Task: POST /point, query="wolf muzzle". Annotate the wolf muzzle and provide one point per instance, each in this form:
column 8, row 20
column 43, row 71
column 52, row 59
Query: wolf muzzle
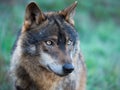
column 68, row 68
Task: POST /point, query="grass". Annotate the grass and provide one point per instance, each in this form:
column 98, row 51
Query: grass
column 102, row 58
column 98, row 25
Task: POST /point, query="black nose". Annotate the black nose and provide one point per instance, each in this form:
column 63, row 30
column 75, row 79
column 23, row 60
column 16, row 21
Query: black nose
column 68, row 68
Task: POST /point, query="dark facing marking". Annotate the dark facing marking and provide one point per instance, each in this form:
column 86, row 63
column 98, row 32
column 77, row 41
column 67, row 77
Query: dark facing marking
column 61, row 40
column 65, row 29
column 73, row 35
column 42, row 34
column 61, row 36
column 35, row 36
column 56, row 27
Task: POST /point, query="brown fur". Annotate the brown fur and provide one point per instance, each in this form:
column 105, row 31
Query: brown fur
column 26, row 70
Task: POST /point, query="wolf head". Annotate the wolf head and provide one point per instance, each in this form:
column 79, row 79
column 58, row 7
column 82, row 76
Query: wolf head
column 49, row 39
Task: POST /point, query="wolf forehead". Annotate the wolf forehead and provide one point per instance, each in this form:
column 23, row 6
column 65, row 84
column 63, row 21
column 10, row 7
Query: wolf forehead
column 55, row 25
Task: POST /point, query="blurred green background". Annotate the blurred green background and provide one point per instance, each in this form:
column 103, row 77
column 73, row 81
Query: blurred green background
column 98, row 24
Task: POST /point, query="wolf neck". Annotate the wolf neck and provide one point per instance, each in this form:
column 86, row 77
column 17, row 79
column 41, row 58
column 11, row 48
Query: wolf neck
column 46, row 80
column 43, row 79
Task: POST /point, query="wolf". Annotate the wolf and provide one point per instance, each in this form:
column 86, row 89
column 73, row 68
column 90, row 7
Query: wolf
column 47, row 53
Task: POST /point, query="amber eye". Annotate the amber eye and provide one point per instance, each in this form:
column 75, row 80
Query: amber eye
column 49, row 43
column 69, row 42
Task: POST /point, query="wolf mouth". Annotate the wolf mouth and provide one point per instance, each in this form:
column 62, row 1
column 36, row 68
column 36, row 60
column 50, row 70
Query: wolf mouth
column 61, row 75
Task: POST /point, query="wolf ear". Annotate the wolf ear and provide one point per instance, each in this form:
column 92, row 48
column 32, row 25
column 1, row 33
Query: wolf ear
column 69, row 12
column 33, row 16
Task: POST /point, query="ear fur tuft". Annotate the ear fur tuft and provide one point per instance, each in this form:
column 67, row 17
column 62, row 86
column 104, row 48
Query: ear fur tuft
column 69, row 12
column 33, row 15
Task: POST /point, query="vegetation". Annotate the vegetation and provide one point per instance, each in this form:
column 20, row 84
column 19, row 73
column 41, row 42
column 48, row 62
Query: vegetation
column 97, row 22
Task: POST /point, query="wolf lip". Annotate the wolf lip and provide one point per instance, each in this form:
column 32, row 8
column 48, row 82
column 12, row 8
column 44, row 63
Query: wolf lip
column 49, row 68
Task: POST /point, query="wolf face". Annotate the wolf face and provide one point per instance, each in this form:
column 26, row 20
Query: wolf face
column 49, row 39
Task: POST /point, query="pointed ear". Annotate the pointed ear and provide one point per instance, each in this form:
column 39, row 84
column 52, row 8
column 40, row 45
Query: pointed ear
column 68, row 13
column 33, row 16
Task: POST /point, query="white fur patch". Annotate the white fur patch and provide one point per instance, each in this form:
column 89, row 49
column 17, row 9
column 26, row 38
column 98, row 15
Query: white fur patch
column 15, row 61
column 49, row 62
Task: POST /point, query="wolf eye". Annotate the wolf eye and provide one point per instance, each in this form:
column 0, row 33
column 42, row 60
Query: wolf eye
column 49, row 42
column 69, row 42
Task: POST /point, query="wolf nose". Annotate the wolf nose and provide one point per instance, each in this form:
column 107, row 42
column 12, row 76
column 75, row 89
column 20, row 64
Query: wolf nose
column 68, row 68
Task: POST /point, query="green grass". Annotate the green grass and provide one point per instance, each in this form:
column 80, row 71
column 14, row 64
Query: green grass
column 102, row 56
column 97, row 22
